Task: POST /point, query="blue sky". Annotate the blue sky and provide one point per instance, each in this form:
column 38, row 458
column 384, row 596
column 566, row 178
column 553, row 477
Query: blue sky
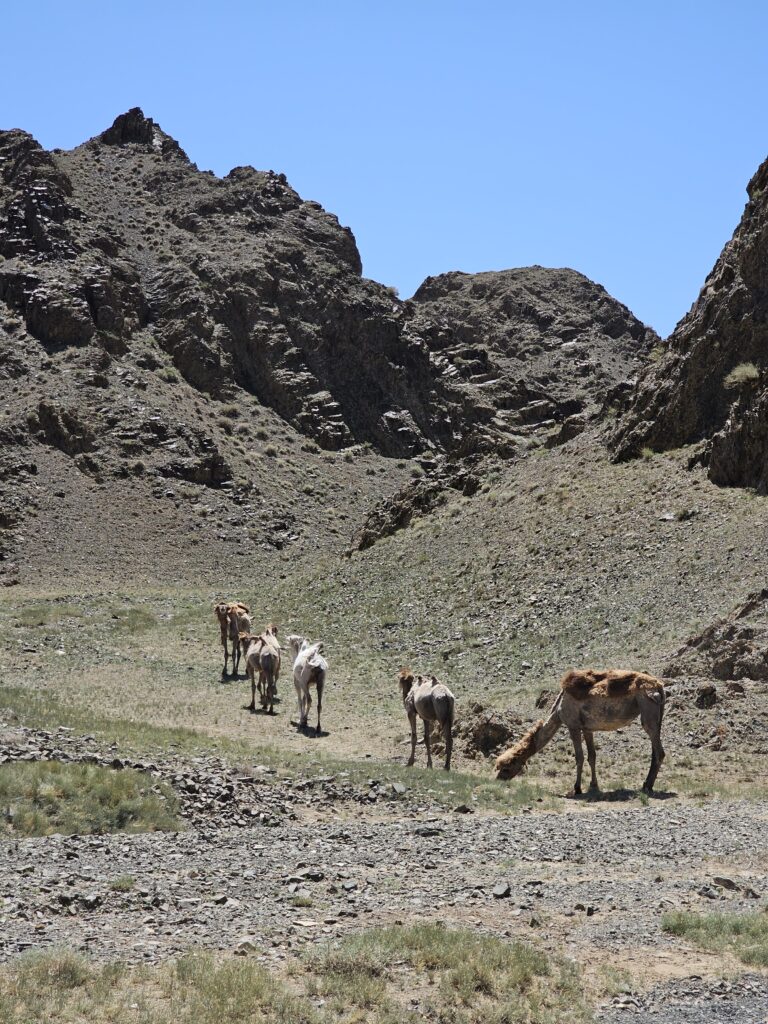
column 615, row 138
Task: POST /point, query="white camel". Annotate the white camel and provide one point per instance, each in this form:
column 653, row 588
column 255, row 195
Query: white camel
column 309, row 668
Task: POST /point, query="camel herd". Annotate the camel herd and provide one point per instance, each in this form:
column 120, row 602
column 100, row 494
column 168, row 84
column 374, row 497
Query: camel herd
column 589, row 701
column 262, row 653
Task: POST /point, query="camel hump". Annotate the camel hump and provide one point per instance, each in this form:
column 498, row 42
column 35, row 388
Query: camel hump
column 613, row 682
column 578, row 682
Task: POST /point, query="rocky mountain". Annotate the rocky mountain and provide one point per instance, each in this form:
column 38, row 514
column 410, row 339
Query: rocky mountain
column 159, row 323
column 709, row 381
column 543, row 344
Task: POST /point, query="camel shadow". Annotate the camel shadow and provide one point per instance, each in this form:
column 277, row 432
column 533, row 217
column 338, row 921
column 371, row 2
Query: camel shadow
column 230, row 677
column 597, row 796
column 309, row 731
column 259, row 711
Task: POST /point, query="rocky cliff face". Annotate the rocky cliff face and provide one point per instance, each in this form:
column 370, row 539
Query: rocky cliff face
column 709, row 383
column 543, row 344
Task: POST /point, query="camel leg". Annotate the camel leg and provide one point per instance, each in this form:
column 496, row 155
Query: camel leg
column 320, row 683
column 307, row 706
column 579, row 752
column 271, row 693
column 412, row 720
column 589, row 738
column 252, row 705
column 298, row 696
column 428, row 742
column 650, row 719
column 448, row 738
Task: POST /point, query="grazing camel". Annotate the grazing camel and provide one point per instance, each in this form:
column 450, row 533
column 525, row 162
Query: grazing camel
column 309, row 668
column 589, row 702
column 262, row 655
column 430, row 700
column 233, row 617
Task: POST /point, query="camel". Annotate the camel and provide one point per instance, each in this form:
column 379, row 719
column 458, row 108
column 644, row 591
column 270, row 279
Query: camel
column 432, row 701
column 234, row 618
column 590, row 701
column 309, row 668
column 262, row 655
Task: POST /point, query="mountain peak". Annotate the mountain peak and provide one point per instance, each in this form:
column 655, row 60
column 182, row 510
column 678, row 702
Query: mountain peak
column 134, row 127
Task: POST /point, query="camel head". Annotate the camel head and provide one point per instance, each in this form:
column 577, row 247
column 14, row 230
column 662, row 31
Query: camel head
column 406, row 679
column 222, row 610
column 271, row 629
column 295, row 643
column 512, row 761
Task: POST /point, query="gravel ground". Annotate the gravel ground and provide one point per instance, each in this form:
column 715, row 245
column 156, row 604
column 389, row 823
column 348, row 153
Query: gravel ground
column 269, row 875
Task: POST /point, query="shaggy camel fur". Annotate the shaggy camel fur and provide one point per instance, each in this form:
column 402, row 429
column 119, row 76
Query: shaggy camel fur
column 309, row 669
column 234, row 618
column 426, row 698
column 262, row 655
column 590, row 702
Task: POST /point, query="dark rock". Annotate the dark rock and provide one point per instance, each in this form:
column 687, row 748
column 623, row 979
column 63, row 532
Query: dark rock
column 706, row 696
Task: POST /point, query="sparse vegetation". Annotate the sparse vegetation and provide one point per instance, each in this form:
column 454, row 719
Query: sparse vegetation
column 40, row 798
column 743, row 935
column 470, row 978
column 64, row 987
column 743, row 375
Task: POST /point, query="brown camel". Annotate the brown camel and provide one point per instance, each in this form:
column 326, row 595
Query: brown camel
column 589, row 702
column 233, row 617
column 426, row 698
column 262, row 655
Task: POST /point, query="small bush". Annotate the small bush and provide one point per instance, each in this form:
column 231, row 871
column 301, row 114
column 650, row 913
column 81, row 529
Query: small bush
column 743, row 375
column 168, row 374
column 123, row 883
column 43, row 797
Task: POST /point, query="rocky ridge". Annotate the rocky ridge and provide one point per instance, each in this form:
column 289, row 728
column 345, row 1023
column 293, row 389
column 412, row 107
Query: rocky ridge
column 708, row 382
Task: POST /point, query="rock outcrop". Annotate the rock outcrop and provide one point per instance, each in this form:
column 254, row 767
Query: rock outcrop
column 709, row 382
column 734, row 647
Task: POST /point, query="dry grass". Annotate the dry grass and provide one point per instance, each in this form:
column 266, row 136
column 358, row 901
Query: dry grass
column 382, row 976
column 64, row 988
column 433, row 973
